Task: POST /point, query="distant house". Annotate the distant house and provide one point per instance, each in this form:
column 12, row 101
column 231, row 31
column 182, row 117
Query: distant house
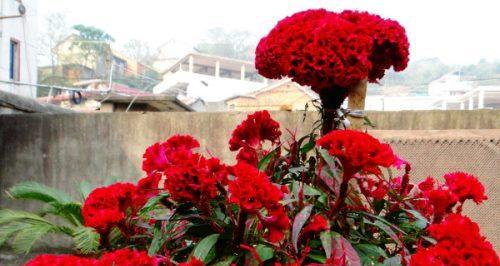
column 71, row 55
column 96, row 97
column 211, row 78
column 451, row 84
column 18, row 37
column 282, row 95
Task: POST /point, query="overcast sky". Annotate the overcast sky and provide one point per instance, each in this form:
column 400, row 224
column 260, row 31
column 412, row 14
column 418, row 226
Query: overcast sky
column 456, row 31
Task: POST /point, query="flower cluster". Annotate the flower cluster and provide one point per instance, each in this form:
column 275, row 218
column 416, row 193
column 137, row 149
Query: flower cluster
column 60, row 260
column 107, row 207
column 195, row 179
column 253, row 191
column 122, row 257
column 160, row 155
column 459, row 242
column 357, row 151
column 330, row 51
column 318, row 202
column 249, row 136
column 438, row 200
column 187, row 176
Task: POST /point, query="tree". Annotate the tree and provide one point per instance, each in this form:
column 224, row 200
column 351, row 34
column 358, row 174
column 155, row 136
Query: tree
column 140, row 51
column 94, row 44
column 233, row 44
column 56, row 30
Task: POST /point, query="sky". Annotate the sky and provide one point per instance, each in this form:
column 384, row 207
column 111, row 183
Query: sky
column 456, row 31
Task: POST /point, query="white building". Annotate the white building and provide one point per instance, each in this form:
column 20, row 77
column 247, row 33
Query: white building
column 18, row 49
column 210, row 78
column 450, row 92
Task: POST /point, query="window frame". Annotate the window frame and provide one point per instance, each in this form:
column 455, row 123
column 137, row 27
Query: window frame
column 15, row 59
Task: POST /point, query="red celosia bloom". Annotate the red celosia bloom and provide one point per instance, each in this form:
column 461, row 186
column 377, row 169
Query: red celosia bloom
column 249, row 136
column 127, row 257
column 107, row 207
column 459, row 242
column 160, row 155
column 326, row 50
column 442, row 201
column 465, row 186
column 427, row 184
column 253, row 191
column 194, row 179
column 60, row 260
column 192, row 262
column 317, row 224
column 277, row 223
column 357, row 151
column 147, row 188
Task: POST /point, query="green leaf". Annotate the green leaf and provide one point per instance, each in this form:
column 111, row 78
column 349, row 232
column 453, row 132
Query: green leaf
column 308, row 190
column 86, row 240
column 299, row 222
column 393, row 261
column 71, row 211
column 369, row 253
column 152, row 204
column 332, row 178
column 420, row 221
column 326, row 242
column 265, row 161
column 7, row 216
column 307, row 147
column 265, row 252
column 368, row 122
column 387, row 230
column 30, row 233
column 85, row 189
column 225, row 261
column 205, row 250
column 317, row 257
column 158, row 239
column 341, row 247
column 40, row 192
column 9, row 230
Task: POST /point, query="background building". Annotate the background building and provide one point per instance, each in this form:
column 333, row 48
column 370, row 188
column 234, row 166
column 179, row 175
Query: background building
column 18, row 52
column 282, row 95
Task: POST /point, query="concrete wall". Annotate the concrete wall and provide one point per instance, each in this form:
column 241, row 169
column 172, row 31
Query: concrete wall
column 23, row 30
column 60, row 150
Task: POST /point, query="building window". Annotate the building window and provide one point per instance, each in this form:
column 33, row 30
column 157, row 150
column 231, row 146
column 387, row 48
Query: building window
column 14, row 60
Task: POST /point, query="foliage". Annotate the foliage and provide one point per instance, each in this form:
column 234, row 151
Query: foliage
column 59, row 214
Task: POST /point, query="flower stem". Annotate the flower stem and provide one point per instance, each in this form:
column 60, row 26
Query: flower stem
column 240, row 230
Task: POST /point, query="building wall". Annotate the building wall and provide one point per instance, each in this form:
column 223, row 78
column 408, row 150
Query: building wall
column 285, row 97
column 23, row 30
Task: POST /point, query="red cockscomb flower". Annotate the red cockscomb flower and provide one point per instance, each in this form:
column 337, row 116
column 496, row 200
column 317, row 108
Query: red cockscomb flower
column 459, row 242
column 194, row 179
column 107, row 207
column 253, row 191
column 442, row 201
column 317, row 224
column 127, row 257
column 60, row 260
column 147, row 188
column 332, row 51
column 357, row 151
column 249, row 136
column 465, row 186
column 160, row 155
